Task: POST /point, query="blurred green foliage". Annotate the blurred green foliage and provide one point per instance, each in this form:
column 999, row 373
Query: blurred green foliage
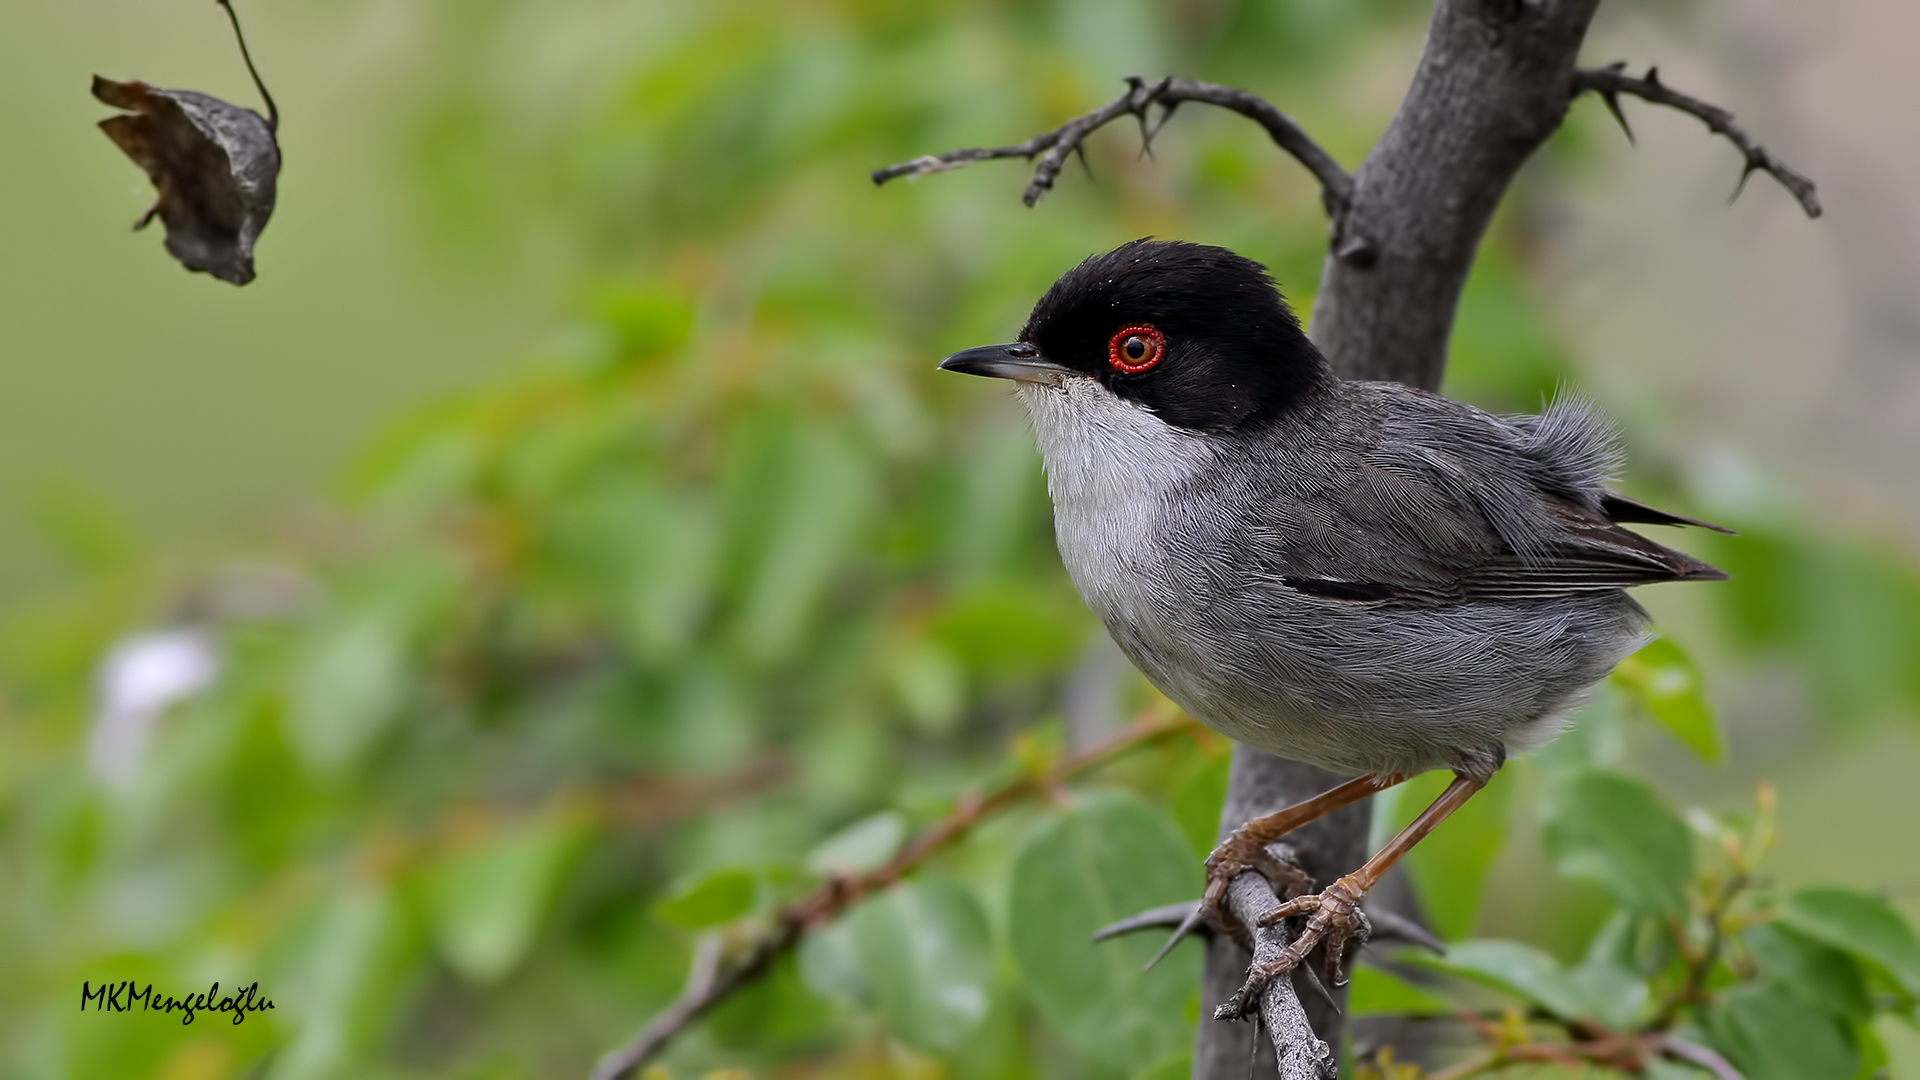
column 726, row 592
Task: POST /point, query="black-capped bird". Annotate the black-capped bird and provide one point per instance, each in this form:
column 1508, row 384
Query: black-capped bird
column 1360, row 575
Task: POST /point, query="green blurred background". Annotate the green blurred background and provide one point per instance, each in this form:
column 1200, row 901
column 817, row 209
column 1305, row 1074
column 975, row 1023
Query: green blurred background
column 589, row 555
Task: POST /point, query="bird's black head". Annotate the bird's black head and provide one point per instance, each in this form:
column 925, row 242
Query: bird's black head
column 1198, row 334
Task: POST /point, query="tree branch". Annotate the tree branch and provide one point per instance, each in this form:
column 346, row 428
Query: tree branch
column 1053, row 147
column 713, row 978
column 1611, row 81
column 1302, row 1054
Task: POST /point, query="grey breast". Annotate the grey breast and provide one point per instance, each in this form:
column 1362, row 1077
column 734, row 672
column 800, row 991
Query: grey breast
column 1190, row 547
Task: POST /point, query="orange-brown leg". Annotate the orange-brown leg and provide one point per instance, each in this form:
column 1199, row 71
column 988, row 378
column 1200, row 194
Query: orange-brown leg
column 1336, row 909
column 1246, row 847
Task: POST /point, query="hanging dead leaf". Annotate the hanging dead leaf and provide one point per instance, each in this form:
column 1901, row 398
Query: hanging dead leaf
column 214, row 163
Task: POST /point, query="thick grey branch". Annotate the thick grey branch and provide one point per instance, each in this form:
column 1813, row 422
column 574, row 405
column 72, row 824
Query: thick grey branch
column 1611, row 81
column 1053, row 147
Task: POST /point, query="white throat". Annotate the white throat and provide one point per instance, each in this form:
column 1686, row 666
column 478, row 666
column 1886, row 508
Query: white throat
column 1113, row 468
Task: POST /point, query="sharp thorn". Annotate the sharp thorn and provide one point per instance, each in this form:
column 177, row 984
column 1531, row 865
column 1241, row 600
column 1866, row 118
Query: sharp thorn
column 1612, row 101
column 1186, row 927
column 1653, row 75
column 1318, row 987
column 1391, row 926
column 1751, row 168
column 1081, row 149
column 1164, row 915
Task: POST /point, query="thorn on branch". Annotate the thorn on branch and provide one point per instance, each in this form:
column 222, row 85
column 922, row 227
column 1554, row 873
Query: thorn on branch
column 1052, row 147
column 1611, row 81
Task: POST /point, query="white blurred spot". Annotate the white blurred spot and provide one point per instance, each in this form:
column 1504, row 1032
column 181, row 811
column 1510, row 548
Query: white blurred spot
column 138, row 680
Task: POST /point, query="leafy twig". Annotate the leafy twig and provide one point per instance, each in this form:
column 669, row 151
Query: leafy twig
column 1053, row 147
column 1612, row 81
column 833, row 897
column 1692, row 989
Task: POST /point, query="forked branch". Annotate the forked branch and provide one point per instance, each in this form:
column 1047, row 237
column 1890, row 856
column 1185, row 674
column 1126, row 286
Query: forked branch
column 1054, row 147
column 1612, row 81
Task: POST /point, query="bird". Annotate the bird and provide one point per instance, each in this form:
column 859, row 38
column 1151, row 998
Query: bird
column 1364, row 576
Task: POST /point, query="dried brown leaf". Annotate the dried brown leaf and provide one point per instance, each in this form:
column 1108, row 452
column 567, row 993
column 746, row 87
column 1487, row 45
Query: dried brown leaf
column 214, row 163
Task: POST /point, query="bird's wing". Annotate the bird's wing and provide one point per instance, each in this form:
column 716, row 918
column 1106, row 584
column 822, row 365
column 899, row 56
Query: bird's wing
column 1432, row 502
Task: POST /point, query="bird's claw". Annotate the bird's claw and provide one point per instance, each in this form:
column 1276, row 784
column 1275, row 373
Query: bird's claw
column 1334, row 916
column 1239, row 852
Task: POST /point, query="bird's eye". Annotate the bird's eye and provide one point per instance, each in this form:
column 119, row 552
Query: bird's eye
column 1134, row 349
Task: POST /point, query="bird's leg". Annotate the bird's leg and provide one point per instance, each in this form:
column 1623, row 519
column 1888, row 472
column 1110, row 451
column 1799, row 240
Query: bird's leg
column 1337, row 917
column 1246, row 847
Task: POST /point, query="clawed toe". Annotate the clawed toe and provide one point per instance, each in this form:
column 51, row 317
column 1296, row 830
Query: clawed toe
column 1236, row 854
column 1334, row 917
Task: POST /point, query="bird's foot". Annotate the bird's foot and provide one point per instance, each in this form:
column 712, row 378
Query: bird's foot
column 1245, row 850
column 1335, row 919
column 1241, row 851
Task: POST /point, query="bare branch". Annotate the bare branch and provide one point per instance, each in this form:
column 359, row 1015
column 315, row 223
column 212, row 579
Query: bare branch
column 1052, row 147
column 1302, row 1054
column 1612, row 81
column 713, row 978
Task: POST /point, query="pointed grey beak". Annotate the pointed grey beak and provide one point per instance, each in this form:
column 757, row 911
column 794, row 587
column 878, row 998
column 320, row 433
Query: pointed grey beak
column 1019, row 361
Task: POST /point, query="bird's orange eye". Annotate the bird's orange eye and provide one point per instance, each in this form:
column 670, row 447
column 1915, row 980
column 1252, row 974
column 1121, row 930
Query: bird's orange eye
column 1134, row 349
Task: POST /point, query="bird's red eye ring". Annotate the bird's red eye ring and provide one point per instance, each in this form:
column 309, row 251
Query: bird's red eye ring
column 1134, row 349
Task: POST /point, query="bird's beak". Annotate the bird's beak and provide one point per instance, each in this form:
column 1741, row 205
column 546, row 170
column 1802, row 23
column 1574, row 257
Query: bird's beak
column 1019, row 361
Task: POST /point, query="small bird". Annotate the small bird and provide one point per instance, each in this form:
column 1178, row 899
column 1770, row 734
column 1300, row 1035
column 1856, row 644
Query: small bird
column 1364, row 576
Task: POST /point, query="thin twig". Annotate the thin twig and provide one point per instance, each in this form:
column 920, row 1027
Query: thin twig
column 839, row 893
column 1692, row 989
column 1611, row 81
column 1052, row 147
column 273, row 111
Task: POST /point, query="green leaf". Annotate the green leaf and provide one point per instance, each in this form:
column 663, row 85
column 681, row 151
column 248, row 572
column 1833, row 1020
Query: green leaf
column 1860, row 923
column 1611, row 830
column 931, row 687
column 1772, row 1036
column 357, row 956
column 348, row 688
column 720, row 897
column 1107, row 856
column 1823, row 977
column 826, row 502
column 485, row 900
column 1520, row 970
column 776, row 1011
column 863, row 845
column 1614, row 993
column 1663, row 680
column 924, row 949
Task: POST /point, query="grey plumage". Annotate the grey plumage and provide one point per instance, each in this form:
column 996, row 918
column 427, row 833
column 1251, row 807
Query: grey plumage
column 1364, row 576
